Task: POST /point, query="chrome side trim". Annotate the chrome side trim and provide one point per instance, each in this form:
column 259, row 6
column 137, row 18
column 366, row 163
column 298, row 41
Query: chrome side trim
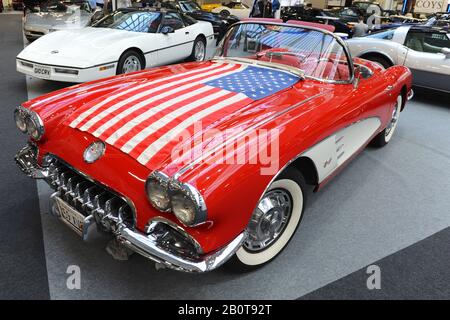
column 243, row 133
column 303, row 153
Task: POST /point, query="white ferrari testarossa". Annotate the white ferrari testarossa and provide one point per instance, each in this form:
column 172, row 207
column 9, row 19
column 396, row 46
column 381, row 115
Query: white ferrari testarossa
column 125, row 41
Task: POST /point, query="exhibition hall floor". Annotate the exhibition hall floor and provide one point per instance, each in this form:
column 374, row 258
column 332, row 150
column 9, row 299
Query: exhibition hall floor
column 390, row 207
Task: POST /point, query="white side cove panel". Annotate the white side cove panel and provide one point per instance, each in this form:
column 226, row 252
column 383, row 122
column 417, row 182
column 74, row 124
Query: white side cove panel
column 332, row 152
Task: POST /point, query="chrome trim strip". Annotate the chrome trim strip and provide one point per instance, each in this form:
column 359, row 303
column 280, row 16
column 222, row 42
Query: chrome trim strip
column 243, row 133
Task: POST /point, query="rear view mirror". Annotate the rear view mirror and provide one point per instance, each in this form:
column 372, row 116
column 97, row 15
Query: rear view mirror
column 446, row 52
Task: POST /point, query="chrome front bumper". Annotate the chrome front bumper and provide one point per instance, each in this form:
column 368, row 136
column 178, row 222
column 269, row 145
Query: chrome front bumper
column 162, row 242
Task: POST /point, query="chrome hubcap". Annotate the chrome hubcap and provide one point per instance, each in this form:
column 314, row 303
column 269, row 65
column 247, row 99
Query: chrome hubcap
column 269, row 220
column 199, row 51
column 131, row 64
column 394, row 120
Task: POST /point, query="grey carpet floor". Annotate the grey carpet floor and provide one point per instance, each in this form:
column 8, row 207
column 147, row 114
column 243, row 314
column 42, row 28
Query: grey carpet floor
column 23, row 273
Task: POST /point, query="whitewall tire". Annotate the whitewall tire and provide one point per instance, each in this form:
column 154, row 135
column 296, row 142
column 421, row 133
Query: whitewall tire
column 273, row 223
column 385, row 136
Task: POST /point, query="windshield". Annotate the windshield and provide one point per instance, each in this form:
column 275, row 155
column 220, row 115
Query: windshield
column 189, row 6
column 63, row 6
column 311, row 53
column 131, row 21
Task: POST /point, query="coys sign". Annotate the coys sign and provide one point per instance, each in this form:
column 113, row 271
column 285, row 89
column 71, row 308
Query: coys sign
column 430, row 6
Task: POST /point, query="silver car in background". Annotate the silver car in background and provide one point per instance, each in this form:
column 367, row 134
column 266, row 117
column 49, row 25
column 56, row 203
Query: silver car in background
column 56, row 15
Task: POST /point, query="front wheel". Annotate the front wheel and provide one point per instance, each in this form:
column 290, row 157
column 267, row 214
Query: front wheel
column 198, row 50
column 273, row 223
column 130, row 61
column 385, row 136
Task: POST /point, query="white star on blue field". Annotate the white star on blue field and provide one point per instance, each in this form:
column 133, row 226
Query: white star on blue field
column 256, row 83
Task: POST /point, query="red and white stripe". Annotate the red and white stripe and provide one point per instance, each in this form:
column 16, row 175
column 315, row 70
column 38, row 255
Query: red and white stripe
column 138, row 91
column 141, row 121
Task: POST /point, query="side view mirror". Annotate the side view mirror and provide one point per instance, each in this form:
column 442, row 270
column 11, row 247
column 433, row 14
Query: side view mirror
column 98, row 14
column 446, row 52
column 167, row 29
column 361, row 72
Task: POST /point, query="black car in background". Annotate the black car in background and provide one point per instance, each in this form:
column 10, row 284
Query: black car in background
column 314, row 15
column 191, row 8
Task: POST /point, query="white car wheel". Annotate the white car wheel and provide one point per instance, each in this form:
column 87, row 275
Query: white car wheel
column 130, row 61
column 273, row 222
column 385, row 136
column 390, row 129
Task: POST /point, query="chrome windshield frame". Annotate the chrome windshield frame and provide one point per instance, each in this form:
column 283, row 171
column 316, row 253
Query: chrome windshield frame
column 337, row 38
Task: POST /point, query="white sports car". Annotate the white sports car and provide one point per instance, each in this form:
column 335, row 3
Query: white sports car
column 56, row 15
column 425, row 50
column 234, row 8
column 125, row 41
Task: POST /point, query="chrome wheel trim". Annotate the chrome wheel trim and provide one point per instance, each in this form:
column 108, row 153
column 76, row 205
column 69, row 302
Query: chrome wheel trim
column 268, row 220
column 249, row 258
column 199, row 51
column 131, row 64
column 394, row 120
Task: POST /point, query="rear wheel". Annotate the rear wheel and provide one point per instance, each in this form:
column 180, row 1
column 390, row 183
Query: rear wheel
column 385, row 136
column 130, row 61
column 273, row 223
column 198, row 50
column 380, row 60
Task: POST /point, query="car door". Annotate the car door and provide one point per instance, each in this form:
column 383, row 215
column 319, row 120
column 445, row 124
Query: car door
column 176, row 44
column 429, row 66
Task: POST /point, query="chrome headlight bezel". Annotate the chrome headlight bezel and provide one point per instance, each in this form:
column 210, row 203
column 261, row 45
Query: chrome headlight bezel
column 178, row 191
column 34, row 126
column 162, row 180
column 190, row 195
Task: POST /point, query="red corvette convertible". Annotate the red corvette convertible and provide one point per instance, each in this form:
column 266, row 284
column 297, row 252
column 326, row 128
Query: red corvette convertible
column 196, row 164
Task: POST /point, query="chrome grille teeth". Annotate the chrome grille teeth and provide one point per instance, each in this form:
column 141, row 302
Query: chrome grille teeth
column 88, row 197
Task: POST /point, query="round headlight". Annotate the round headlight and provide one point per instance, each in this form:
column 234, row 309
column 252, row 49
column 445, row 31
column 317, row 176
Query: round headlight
column 188, row 204
column 20, row 119
column 32, row 128
column 156, row 188
column 183, row 207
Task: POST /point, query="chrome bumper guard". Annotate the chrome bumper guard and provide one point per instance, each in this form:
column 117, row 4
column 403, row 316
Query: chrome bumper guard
column 162, row 242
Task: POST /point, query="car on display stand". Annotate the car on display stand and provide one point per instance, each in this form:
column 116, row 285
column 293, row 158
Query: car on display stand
column 165, row 160
column 191, row 8
column 425, row 50
column 57, row 15
column 235, row 8
column 125, row 41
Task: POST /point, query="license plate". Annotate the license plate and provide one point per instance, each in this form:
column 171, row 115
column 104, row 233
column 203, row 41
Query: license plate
column 42, row 71
column 70, row 216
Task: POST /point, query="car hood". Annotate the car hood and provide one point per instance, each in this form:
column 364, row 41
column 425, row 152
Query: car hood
column 79, row 48
column 58, row 20
column 144, row 115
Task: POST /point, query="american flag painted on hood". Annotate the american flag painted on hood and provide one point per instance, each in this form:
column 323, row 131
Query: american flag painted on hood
column 146, row 118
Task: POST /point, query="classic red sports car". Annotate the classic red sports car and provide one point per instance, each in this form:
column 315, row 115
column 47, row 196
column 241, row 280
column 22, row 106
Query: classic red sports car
column 194, row 164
